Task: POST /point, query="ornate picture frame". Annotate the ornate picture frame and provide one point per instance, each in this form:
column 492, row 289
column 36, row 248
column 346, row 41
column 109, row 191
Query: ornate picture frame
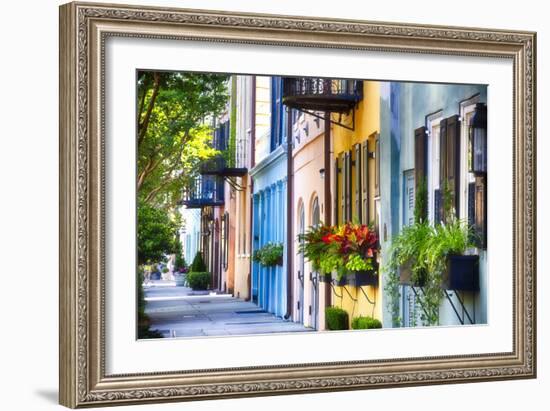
column 84, row 28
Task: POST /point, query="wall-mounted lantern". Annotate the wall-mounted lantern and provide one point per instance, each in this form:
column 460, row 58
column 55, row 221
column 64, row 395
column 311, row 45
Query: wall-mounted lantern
column 478, row 140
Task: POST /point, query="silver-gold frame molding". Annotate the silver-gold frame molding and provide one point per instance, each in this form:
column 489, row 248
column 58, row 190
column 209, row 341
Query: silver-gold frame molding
column 83, row 30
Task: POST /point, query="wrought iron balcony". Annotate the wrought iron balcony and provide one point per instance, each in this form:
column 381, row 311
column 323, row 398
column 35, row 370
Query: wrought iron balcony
column 321, row 94
column 206, row 190
column 231, row 162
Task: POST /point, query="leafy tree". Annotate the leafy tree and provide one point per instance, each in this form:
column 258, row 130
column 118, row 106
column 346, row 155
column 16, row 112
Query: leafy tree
column 155, row 234
column 173, row 109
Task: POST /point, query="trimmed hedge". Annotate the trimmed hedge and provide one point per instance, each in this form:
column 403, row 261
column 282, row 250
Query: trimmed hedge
column 198, row 265
column 363, row 323
column 198, row 280
column 336, row 319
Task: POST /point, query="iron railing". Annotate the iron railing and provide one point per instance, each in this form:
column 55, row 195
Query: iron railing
column 231, row 161
column 321, row 94
column 206, row 190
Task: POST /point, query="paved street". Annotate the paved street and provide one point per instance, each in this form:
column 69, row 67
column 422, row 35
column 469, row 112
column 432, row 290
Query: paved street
column 182, row 312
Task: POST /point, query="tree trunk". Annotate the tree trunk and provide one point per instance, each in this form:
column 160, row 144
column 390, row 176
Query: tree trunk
column 145, row 123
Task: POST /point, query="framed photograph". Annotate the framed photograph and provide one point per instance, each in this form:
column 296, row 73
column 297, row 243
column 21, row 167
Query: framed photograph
column 262, row 205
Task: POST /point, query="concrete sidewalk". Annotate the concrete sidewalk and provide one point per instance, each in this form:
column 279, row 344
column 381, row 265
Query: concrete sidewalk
column 182, row 312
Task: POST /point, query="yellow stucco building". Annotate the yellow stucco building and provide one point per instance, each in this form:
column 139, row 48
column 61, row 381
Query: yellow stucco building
column 355, row 183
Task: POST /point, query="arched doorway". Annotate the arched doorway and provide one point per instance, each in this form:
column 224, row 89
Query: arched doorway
column 313, row 276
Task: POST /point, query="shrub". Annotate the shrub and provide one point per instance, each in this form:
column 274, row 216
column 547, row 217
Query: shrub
column 198, row 280
column 179, row 263
column 363, row 323
column 198, row 264
column 165, row 270
column 336, row 318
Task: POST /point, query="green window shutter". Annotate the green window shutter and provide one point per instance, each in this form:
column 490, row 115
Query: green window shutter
column 357, row 171
column 377, row 165
column 348, row 185
column 365, row 182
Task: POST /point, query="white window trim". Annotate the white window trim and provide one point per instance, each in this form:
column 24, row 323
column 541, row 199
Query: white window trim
column 433, row 122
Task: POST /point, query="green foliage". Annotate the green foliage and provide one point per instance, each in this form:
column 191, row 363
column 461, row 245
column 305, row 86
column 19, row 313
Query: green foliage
column 172, row 137
column 363, row 323
column 198, row 280
column 421, row 202
column 426, row 248
column 312, row 246
column 198, row 264
column 165, row 270
column 155, row 234
column 340, row 249
column 179, row 262
column 336, row 319
column 271, row 254
column 357, row 263
column 143, row 327
column 232, row 144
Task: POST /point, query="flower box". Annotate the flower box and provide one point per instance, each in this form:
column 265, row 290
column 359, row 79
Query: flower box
column 406, row 274
column 325, row 278
column 361, row 278
column 339, row 282
column 462, row 273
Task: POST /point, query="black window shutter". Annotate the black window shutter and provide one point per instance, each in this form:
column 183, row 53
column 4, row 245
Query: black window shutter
column 357, row 173
column 443, row 153
column 420, row 160
column 365, row 182
column 471, row 204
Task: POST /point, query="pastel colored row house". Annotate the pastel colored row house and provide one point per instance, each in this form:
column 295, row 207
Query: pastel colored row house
column 435, row 134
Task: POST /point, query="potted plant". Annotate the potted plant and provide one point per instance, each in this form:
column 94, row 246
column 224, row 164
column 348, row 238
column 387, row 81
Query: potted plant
column 344, row 254
column 449, row 251
column 198, row 277
column 354, row 248
column 406, row 248
column 180, row 268
column 269, row 255
column 315, row 250
column 435, row 258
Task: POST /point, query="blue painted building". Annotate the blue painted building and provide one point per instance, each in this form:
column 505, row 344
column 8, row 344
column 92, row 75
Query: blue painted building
column 269, row 225
column 408, row 111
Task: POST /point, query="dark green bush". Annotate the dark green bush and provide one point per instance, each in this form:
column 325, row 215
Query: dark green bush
column 363, row 323
column 198, row 280
column 198, row 265
column 336, row 318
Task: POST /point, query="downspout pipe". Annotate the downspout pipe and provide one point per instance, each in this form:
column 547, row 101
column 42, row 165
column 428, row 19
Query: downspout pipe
column 252, row 163
column 289, row 220
column 328, row 197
